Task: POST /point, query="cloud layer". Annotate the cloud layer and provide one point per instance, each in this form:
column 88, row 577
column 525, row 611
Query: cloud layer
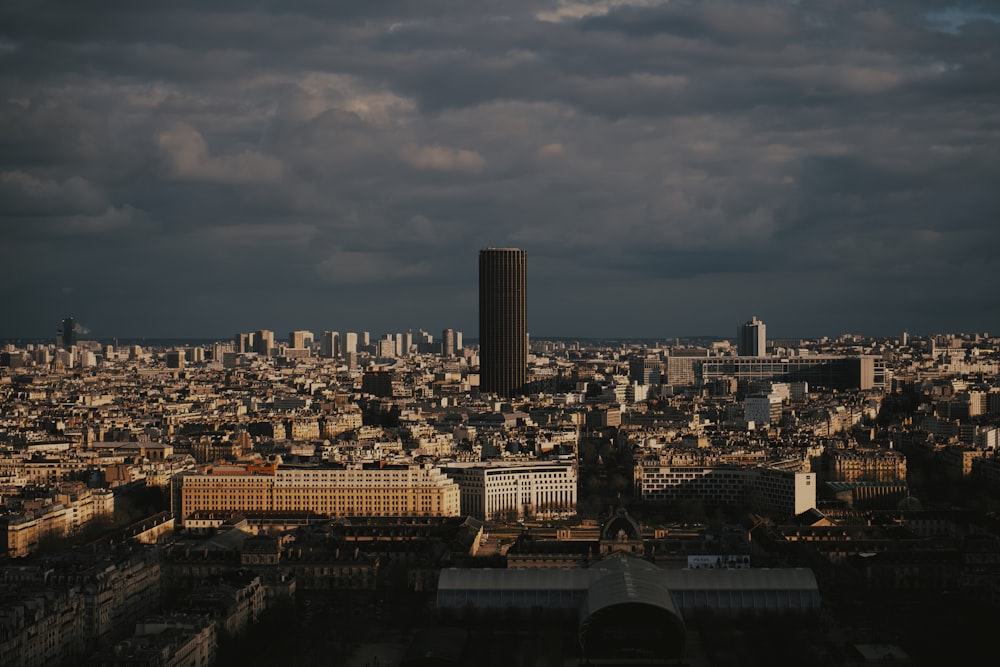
column 670, row 167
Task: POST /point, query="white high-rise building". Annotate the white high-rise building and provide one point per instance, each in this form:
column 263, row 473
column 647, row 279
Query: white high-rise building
column 350, row 343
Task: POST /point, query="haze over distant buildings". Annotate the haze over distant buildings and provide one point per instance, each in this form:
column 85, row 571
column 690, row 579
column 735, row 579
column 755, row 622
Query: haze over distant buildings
column 186, row 171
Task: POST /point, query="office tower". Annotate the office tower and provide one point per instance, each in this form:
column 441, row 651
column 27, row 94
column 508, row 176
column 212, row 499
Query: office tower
column 87, row 359
column 67, row 334
column 425, row 343
column 400, row 352
column 264, row 342
column 458, row 341
column 386, row 347
column 366, row 339
column 330, row 344
column 503, row 327
column 407, row 343
column 175, row 359
column 243, row 343
column 751, row 339
column 645, row 371
column 448, row 343
column 299, row 339
column 350, row 343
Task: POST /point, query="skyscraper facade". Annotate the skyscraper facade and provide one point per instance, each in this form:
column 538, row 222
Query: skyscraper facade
column 448, row 343
column 645, row 371
column 503, row 326
column 264, row 342
column 329, row 347
column 350, row 343
column 751, row 339
column 67, row 334
column 297, row 339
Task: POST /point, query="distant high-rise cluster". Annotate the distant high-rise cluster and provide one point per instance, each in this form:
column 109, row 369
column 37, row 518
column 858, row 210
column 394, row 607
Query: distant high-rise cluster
column 346, row 346
column 751, row 338
column 503, row 328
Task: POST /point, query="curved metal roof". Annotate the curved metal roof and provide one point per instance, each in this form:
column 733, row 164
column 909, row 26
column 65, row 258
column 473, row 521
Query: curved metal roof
column 751, row 579
column 628, row 580
column 514, row 579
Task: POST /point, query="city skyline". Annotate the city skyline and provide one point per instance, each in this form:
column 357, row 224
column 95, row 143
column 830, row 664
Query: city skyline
column 85, row 334
column 671, row 168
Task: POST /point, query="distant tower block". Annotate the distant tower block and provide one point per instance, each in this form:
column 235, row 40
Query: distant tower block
column 330, row 344
column 752, row 339
column 448, row 343
column 503, row 326
column 67, row 334
column 350, row 343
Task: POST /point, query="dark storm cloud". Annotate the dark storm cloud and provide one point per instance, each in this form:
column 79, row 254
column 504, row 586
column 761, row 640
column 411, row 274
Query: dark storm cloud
column 180, row 169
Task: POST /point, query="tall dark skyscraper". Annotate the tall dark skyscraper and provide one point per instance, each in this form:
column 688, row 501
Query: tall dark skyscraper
column 503, row 320
column 67, row 335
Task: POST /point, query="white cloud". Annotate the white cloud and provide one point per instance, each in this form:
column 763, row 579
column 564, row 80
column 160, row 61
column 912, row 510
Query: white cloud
column 112, row 219
column 573, row 10
column 188, row 156
column 27, row 192
column 442, row 158
column 551, row 150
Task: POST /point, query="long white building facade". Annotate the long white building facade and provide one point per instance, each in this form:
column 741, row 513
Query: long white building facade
column 496, row 489
column 782, row 491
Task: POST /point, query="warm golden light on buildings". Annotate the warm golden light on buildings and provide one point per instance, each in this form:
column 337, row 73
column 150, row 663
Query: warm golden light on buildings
column 354, row 490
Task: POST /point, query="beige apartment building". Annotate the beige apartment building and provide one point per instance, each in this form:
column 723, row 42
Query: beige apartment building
column 335, row 491
column 869, row 465
column 73, row 507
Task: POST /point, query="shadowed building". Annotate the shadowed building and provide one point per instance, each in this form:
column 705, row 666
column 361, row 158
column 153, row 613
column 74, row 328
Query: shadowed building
column 628, row 611
column 67, row 334
column 503, row 328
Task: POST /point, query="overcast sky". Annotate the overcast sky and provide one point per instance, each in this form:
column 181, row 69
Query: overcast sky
column 671, row 168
